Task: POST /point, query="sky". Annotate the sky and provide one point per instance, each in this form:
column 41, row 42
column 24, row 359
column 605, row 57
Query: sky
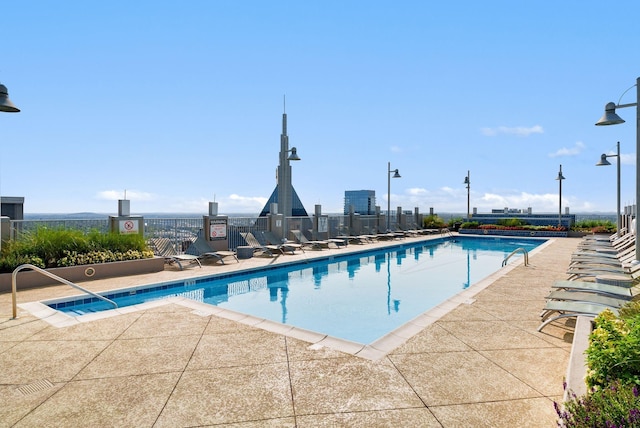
column 173, row 105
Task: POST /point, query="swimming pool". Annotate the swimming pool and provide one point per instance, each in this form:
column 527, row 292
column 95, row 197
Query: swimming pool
column 358, row 297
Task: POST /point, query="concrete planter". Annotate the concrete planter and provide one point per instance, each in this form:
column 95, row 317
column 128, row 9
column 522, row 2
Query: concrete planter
column 31, row 279
column 577, row 234
column 522, row 233
column 577, row 368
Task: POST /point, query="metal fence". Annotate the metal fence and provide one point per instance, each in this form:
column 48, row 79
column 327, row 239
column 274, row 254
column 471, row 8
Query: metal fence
column 183, row 231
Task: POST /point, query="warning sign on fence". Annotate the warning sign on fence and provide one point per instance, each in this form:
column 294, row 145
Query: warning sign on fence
column 128, row 226
column 218, row 229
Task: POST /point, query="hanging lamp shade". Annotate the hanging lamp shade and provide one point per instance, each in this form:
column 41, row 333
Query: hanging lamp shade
column 5, row 103
column 610, row 117
column 294, row 155
column 603, row 160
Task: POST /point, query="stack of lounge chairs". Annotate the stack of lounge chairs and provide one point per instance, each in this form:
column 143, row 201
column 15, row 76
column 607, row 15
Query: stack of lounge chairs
column 316, row 244
column 285, row 246
column 163, row 247
column 266, row 249
column 201, row 249
column 602, row 275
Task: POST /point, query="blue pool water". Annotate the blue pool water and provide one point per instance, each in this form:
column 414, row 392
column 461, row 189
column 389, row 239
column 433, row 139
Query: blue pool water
column 358, row 297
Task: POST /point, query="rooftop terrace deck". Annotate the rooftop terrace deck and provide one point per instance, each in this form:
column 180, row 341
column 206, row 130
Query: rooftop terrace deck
column 480, row 364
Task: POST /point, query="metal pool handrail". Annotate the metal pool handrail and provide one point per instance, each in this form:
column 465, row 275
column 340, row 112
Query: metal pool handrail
column 526, row 256
column 52, row 276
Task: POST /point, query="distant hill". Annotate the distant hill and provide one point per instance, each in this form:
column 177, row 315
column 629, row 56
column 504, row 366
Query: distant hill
column 93, row 216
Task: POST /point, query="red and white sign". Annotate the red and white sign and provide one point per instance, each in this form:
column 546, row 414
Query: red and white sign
column 218, row 229
column 128, row 226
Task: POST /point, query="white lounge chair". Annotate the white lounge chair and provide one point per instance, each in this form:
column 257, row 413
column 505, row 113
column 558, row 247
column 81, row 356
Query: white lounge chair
column 253, row 242
column 163, row 247
column 285, row 246
column 314, row 245
column 567, row 309
column 201, row 249
column 595, row 287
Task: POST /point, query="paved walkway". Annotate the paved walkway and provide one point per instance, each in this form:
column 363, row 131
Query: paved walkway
column 480, row 364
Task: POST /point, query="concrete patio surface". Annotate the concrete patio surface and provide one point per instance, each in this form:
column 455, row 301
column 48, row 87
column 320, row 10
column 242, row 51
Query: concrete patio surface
column 475, row 362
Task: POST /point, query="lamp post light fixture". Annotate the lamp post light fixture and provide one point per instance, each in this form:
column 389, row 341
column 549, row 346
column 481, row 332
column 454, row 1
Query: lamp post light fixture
column 560, row 177
column 467, row 181
column 5, row 103
column 396, row 174
column 611, row 118
column 7, row 106
column 605, row 162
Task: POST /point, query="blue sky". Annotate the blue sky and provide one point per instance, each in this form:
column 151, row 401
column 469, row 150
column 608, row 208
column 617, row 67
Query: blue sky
column 180, row 102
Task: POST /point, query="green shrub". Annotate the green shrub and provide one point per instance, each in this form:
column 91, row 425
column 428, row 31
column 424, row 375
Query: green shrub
column 614, row 350
column 613, row 375
column 595, row 226
column 433, row 222
column 511, row 222
column 453, row 221
column 48, row 248
column 632, row 309
column 470, row 225
column 616, row 405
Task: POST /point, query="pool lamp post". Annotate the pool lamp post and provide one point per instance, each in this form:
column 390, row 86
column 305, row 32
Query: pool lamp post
column 605, row 162
column 7, row 106
column 5, row 103
column 611, row 118
column 560, row 178
column 467, row 181
column 395, row 175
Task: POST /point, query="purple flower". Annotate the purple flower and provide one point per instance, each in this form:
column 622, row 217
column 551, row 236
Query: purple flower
column 635, row 390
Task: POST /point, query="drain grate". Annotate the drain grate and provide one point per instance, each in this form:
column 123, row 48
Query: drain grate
column 38, row 386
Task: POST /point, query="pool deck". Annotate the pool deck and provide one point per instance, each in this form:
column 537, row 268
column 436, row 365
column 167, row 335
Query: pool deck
column 475, row 361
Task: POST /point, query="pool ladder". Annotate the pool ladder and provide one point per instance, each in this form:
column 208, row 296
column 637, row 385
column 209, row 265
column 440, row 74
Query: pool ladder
column 447, row 232
column 52, row 276
column 517, row 250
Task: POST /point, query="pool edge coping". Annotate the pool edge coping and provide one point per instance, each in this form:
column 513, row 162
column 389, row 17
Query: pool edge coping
column 373, row 351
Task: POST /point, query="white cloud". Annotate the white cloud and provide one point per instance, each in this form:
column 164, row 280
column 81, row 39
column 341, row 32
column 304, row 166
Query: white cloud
column 451, row 200
column 226, row 204
column 627, row 159
column 417, row 191
column 519, row 131
column 134, row 195
column 577, row 148
column 238, row 203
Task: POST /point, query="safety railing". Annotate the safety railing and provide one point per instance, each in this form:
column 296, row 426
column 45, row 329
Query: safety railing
column 517, row 250
column 446, row 231
column 183, row 231
column 14, row 286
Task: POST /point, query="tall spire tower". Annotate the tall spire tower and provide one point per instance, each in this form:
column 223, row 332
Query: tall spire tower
column 284, row 194
column 285, row 204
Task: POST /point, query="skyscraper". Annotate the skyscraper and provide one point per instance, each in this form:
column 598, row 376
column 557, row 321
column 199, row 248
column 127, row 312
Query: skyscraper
column 363, row 201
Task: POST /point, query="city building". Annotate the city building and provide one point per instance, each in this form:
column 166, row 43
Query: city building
column 284, row 194
column 363, row 201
